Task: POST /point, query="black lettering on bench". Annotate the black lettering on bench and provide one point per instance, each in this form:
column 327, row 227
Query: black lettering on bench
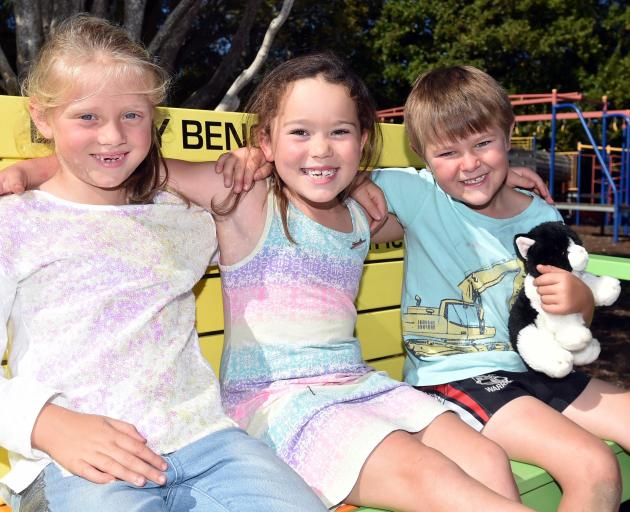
column 162, row 128
column 388, row 245
column 191, row 129
column 230, row 131
column 211, row 135
column 244, row 132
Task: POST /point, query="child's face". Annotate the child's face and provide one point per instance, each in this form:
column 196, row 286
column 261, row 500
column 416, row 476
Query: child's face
column 316, row 141
column 100, row 139
column 472, row 170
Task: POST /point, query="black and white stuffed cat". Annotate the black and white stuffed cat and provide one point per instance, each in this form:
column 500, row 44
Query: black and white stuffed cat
column 550, row 343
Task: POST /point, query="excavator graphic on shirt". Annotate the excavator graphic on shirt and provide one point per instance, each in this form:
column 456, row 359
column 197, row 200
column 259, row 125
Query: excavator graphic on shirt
column 457, row 325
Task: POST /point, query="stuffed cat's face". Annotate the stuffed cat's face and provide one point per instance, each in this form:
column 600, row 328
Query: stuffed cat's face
column 551, row 243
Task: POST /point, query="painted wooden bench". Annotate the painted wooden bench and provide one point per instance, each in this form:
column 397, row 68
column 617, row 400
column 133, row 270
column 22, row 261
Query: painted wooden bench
column 203, row 135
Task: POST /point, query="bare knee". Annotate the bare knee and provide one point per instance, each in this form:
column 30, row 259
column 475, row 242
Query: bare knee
column 492, row 468
column 603, row 469
column 599, row 474
column 423, row 474
column 492, row 458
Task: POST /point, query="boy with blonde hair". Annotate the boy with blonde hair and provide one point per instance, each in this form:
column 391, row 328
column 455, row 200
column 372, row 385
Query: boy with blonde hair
column 459, row 219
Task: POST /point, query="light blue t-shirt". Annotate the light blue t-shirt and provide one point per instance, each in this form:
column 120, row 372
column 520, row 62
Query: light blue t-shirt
column 461, row 277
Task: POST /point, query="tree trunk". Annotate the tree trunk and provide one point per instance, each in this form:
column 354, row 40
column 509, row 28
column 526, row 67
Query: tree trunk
column 54, row 12
column 28, row 32
column 172, row 35
column 208, row 94
column 134, row 16
column 99, row 8
column 9, row 83
column 231, row 100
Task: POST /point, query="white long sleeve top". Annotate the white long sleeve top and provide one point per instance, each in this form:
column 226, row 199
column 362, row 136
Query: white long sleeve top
column 99, row 303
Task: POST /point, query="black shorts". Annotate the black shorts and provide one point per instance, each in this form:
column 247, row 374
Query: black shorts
column 476, row 399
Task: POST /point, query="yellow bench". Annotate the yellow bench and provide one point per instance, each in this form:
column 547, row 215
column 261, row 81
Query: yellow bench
column 203, row 135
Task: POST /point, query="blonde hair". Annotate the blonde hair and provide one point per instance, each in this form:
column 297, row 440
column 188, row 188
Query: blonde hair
column 449, row 104
column 265, row 103
column 65, row 64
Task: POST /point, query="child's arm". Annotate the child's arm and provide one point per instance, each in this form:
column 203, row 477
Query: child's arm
column 97, row 448
column 251, row 163
column 245, row 164
column 372, row 199
column 388, row 231
column 563, row 293
column 384, row 226
column 27, row 174
column 239, row 169
column 524, row 177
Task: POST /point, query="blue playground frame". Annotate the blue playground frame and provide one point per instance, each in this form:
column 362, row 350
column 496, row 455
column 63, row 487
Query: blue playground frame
column 620, row 194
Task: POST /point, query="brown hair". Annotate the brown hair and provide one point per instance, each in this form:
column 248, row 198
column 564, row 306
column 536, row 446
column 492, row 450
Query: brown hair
column 60, row 69
column 453, row 103
column 265, row 102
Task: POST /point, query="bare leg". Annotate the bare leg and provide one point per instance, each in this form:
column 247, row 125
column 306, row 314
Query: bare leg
column 585, row 468
column 481, row 458
column 403, row 474
column 604, row 410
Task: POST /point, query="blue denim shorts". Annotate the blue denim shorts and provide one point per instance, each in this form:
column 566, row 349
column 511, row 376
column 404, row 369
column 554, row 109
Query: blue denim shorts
column 225, row 471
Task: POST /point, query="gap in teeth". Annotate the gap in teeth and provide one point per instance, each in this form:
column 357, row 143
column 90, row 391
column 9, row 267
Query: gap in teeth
column 320, row 174
column 109, row 158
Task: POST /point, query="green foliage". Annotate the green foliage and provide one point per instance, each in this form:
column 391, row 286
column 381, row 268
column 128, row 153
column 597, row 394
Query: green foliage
column 528, row 45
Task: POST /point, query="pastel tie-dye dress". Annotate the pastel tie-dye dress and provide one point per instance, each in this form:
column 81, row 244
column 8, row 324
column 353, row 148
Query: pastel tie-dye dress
column 292, row 373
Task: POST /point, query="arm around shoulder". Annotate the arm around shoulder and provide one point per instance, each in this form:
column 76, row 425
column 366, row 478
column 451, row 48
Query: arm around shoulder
column 27, row 174
column 196, row 181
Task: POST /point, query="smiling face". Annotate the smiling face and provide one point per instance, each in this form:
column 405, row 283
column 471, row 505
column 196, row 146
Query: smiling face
column 315, row 141
column 473, row 169
column 99, row 139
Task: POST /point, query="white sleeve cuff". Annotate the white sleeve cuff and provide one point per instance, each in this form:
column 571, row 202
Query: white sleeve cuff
column 21, row 402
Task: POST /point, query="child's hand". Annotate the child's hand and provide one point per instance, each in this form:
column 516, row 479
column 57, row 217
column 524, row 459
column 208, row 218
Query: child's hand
column 242, row 167
column 562, row 293
column 13, row 180
column 27, row 174
column 524, row 177
column 97, row 448
column 372, row 199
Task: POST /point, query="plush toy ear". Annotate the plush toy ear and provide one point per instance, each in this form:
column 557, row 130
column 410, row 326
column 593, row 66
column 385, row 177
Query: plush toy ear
column 522, row 244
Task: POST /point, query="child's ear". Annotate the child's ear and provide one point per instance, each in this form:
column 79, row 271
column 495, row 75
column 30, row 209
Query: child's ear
column 265, row 146
column 39, row 117
column 364, row 138
column 509, row 139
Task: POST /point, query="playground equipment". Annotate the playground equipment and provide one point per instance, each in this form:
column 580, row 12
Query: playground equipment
column 588, row 185
column 611, row 175
column 613, row 196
